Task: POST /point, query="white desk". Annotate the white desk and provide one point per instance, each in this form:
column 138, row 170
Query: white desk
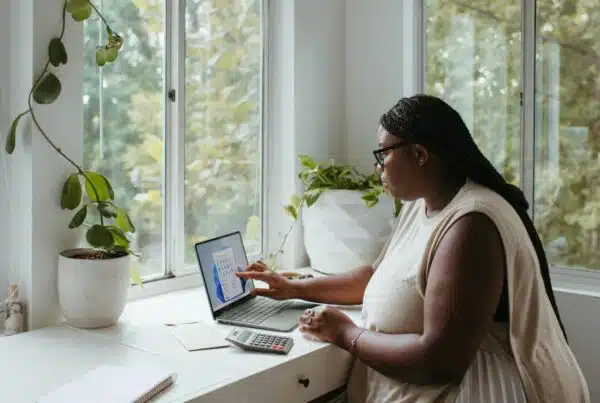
column 40, row 361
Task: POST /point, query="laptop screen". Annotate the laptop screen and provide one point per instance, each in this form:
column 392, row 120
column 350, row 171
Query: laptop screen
column 219, row 259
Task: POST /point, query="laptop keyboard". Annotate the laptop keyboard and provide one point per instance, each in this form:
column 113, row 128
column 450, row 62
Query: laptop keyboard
column 256, row 310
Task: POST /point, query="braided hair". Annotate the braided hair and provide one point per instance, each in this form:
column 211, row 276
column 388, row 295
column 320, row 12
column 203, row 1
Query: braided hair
column 431, row 122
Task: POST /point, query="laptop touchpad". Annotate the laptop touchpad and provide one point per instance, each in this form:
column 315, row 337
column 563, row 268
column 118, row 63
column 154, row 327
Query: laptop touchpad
column 286, row 320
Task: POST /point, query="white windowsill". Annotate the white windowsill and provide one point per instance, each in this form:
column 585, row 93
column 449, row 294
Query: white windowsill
column 154, row 288
column 576, row 281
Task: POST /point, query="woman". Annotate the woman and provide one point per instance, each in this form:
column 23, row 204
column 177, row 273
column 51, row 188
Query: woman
column 459, row 306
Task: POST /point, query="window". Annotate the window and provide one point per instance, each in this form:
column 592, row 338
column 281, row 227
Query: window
column 176, row 123
column 567, row 130
column 474, row 63
column 475, row 60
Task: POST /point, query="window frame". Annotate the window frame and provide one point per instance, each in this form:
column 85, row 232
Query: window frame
column 176, row 274
column 565, row 279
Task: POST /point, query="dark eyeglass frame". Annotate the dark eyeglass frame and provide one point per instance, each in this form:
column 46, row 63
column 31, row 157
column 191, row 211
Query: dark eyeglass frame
column 381, row 153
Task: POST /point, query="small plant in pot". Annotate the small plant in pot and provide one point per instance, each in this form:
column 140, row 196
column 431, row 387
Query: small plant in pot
column 92, row 282
column 342, row 209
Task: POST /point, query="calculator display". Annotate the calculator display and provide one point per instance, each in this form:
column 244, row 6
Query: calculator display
column 244, row 336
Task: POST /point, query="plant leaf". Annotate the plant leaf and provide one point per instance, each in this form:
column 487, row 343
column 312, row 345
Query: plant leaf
column 135, row 275
column 101, row 56
column 312, row 196
column 47, row 90
column 71, row 193
column 74, row 5
column 107, row 210
column 291, row 210
column 103, row 187
column 370, row 201
column 78, row 218
column 11, row 139
column 296, row 201
column 57, row 52
column 397, row 207
column 114, row 40
column 82, row 13
column 99, row 236
column 123, row 221
column 307, row 161
column 111, row 53
column 119, row 237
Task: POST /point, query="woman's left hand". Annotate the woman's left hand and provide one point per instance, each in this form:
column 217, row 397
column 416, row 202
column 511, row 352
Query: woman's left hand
column 329, row 325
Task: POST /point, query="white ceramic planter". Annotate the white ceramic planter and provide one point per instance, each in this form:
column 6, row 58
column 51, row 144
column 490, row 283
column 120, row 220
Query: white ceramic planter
column 342, row 233
column 92, row 293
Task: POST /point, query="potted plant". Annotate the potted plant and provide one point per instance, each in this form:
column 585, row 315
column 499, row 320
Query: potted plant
column 346, row 216
column 93, row 281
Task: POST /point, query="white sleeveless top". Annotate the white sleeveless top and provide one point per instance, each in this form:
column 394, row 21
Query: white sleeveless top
column 394, row 301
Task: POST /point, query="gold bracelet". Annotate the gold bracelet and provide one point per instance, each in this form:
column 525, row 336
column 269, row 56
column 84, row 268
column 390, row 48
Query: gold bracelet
column 353, row 344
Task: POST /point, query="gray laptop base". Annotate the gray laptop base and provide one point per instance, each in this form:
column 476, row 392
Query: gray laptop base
column 285, row 319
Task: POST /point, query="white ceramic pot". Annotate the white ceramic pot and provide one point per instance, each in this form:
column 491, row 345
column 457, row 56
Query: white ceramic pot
column 92, row 293
column 341, row 233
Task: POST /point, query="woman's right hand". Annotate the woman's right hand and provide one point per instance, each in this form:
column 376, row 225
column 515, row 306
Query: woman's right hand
column 279, row 286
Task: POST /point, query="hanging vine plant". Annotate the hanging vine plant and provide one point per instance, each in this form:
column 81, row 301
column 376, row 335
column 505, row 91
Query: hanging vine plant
column 84, row 190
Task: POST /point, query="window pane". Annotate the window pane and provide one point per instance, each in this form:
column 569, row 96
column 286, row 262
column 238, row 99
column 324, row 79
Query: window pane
column 567, row 181
column 123, row 119
column 223, row 121
column 473, row 62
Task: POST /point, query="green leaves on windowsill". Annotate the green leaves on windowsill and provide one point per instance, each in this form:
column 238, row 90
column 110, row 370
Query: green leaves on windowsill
column 111, row 234
column 317, row 178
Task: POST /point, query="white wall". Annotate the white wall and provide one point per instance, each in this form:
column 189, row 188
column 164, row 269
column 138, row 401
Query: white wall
column 39, row 226
column 581, row 317
column 374, row 62
column 320, row 78
column 306, row 97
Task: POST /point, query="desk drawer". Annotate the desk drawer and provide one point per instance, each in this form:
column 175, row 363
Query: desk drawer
column 298, row 381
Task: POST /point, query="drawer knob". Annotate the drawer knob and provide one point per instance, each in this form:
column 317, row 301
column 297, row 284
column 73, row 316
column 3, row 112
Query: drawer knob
column 304, row 382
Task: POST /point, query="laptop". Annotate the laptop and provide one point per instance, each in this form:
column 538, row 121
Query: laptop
column 229, row 296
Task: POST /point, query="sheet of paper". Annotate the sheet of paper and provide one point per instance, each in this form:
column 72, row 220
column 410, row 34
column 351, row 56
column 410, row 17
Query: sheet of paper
column 199, row 336
column 226, row 268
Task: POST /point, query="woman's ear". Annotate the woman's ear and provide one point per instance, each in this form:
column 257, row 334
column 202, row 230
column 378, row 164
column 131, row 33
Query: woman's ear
column 421, row 154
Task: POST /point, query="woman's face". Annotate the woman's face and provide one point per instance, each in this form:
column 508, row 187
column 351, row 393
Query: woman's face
column 401, row 171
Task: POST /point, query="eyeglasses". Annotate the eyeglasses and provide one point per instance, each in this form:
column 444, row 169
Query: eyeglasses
column 382, row 153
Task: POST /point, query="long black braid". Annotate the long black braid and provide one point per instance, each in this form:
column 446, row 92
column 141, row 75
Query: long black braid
column 431, row 122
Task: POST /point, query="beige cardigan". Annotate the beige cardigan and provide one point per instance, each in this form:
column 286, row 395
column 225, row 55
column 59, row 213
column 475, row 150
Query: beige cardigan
column 547, row 366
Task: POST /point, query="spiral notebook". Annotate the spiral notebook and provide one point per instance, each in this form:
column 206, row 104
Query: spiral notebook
column 115, row 384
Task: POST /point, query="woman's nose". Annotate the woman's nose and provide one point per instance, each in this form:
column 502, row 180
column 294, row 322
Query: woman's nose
column 378, row 167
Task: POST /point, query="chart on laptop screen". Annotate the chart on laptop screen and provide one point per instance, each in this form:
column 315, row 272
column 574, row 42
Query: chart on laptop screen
column 226, row 267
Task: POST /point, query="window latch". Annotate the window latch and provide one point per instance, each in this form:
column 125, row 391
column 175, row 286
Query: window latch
column 171, row 95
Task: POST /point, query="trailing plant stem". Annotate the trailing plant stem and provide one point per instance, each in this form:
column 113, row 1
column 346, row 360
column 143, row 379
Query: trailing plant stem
column 62, row 154
column 102, row 18
column 287, row 234
column 39, row 127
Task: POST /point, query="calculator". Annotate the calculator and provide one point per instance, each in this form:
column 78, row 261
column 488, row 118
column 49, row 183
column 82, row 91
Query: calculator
column 268, row 343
